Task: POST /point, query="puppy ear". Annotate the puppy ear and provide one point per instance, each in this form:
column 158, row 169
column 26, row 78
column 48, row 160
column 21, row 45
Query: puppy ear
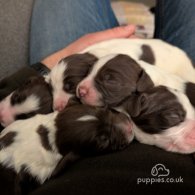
column 135, row 104
column 144, row 82
column 34, row 79
column 69, row 158
column 102, row 142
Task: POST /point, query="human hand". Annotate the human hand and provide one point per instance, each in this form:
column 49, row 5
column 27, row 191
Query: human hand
column 87, row 40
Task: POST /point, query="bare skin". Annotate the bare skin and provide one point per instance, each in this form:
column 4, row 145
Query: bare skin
column 87, row 40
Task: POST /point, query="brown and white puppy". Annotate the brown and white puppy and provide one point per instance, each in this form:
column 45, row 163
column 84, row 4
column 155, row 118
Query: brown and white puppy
column 31, row 98
column 66, row 75
column 157, row 109
column 163, row 117
column 153, row 51
column 44, row 144
column 116, row 76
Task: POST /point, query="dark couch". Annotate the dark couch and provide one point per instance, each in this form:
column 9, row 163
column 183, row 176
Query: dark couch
column 116, row 173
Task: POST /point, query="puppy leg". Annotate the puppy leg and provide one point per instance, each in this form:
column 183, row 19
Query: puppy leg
column 184, row 140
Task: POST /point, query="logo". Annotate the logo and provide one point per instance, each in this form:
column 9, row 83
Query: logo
column 160, row 171
column 159, row 174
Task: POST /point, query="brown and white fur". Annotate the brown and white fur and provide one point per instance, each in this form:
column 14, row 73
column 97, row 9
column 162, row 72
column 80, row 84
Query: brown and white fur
column 115, row 79
column 162, row 117
column 116, row 76
column 43, row 145
column 154, row 51
column 28, row 100
column 71, row 70
column 66, row 75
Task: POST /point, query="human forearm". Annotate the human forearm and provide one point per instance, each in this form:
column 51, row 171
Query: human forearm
column 87, row 40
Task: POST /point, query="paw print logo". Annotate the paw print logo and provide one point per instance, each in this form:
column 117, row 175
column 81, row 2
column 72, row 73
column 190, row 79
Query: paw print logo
column 160, row 170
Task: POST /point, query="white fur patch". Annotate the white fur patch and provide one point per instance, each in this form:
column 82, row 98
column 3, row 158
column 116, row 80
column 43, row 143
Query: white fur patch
column 27, row 149
column 57, row 77
column 87, row 118
column 167, row 57
column 30, row 104
column 161, row 77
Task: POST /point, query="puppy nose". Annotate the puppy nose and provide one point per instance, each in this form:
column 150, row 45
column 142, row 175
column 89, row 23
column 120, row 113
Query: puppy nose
column 59, row 106
column 82, row 91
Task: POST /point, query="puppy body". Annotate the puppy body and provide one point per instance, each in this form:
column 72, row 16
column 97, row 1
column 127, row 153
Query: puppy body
column 31, row 98
column 36, row 145
column 154, row 51
column 163, row 117
column 180, row 139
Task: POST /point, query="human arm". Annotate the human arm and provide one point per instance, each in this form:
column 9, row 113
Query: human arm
column 9, row 84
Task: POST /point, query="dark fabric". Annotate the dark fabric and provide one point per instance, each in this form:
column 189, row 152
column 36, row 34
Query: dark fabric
column 40, row 68
column 175, row 24
column 117, row 173
column 8, row 182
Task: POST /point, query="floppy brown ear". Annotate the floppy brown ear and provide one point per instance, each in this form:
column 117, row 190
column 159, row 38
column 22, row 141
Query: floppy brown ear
column 144, row 82
column 135, row 104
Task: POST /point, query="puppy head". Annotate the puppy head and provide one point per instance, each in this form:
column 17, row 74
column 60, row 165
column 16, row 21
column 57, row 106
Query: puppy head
column 156, row 110
column 31, row 98
column 112, row 78
column 88, row 130
column 65, row 76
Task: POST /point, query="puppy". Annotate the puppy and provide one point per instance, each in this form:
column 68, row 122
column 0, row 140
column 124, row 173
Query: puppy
column 153, row 51
column 43, row 145
column 114, row 77
column 66, row 75
column 31, row 98
column 163, row 117
column 157, row 109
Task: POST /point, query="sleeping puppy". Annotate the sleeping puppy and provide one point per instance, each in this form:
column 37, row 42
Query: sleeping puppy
column 31, row 98
column 157, row 109
column 65, row 76
column 115, row 77
column 43, row 145
column 153, row 51
column 163, row 117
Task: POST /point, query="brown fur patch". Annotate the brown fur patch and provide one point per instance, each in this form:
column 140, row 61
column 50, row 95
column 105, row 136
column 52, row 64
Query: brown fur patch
column 147, row 55
column 7, row 139
column 190, row 92
column 43, row 133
